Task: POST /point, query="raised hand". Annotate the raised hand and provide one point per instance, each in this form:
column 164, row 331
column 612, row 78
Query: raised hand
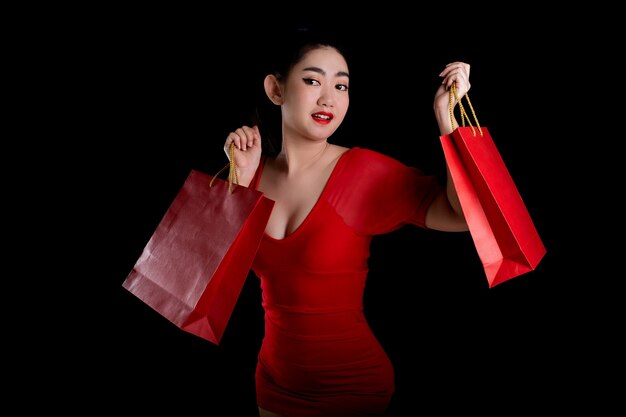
column 247, row 152
column 454, row 73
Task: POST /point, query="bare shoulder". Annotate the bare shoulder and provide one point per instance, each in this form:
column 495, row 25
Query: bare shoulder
column 335, row 151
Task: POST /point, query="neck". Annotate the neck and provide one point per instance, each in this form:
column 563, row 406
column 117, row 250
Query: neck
column 298, row 156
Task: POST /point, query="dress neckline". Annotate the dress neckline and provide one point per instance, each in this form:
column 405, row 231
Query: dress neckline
column 297, row 230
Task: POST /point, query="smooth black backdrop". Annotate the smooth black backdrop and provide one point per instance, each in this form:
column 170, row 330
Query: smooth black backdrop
column 168, row 91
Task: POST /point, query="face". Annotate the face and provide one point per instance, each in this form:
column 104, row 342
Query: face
column 315, row 94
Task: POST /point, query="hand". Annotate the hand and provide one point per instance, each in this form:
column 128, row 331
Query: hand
column 247, row 153
column 457, row 73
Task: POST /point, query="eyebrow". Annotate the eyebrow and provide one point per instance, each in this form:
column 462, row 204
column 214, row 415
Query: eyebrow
column 322, row 72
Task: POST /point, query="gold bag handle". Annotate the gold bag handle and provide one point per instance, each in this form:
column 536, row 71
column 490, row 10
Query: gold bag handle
column 464, row 115
column 233, row 176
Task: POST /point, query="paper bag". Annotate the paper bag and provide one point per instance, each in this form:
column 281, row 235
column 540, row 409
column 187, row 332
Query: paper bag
column 196, row 262
column 503, row 232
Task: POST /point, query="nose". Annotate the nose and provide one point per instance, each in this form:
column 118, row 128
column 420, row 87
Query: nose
column 327, row 96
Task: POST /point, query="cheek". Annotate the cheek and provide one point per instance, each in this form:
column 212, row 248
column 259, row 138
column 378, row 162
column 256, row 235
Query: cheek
column 296, row 102
column 303, row 99
column 344, row 104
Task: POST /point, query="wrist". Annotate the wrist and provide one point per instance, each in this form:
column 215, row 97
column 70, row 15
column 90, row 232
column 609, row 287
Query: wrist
column 246, row 175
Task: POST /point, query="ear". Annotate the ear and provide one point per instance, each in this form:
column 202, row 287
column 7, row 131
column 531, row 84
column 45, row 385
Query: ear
column 273, row 90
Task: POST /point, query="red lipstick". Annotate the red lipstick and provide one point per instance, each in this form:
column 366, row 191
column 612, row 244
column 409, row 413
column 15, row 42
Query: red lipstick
column 322, row 117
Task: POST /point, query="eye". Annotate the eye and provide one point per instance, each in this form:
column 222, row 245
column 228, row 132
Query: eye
column 342, row 87
column 310, row 81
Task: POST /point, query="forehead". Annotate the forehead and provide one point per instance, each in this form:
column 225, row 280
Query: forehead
column 326, row 58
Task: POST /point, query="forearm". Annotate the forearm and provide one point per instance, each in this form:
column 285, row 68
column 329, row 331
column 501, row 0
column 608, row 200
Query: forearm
column 442, row 114
column 446, row 212
column 453, row 197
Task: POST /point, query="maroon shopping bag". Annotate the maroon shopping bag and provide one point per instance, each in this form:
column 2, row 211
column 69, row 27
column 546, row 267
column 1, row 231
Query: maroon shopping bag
column 195, row 264
column 502, row 229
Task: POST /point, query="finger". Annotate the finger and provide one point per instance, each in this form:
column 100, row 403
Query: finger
column 456, row 76
column 257, row 136
column 229, row 141
column 449, row 67
column 243, row 137
column 250, row 133
column 452, row 78
column 246, row 135
column 232, row 138
column 455, row 66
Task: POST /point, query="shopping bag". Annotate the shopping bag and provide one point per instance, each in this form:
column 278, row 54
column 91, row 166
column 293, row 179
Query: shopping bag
column 194, row 266
column 505, row 237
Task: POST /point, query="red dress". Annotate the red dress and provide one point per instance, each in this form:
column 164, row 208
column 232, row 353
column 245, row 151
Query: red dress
column 319, row 357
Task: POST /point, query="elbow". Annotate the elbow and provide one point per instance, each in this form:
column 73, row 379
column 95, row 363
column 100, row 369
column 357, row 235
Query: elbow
column 444, row 216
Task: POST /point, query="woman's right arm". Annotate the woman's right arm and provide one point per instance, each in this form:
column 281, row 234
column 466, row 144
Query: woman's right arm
column 247, row 152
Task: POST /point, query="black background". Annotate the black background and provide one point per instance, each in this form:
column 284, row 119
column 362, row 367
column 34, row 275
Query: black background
column 158, row 93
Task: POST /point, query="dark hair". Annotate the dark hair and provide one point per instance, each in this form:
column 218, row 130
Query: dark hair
column 296, row 43
column 288, row 47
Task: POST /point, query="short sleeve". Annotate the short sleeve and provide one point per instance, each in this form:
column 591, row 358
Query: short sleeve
column 377, row 194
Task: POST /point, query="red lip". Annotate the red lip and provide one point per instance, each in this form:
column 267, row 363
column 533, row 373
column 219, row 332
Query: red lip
column 322, row 117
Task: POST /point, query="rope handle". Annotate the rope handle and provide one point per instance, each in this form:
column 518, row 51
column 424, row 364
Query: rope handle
column 233, row 175
column 464, row 115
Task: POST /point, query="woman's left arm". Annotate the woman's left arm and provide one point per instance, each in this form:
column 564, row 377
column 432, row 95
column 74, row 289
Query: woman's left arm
column 445, row 212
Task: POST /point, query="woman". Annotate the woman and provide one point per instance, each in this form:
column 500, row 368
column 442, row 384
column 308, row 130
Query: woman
column 319, row 357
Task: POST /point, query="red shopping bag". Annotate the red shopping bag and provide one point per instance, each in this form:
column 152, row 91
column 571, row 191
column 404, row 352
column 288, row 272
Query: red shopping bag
column 196, row 262
column 503, row 232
